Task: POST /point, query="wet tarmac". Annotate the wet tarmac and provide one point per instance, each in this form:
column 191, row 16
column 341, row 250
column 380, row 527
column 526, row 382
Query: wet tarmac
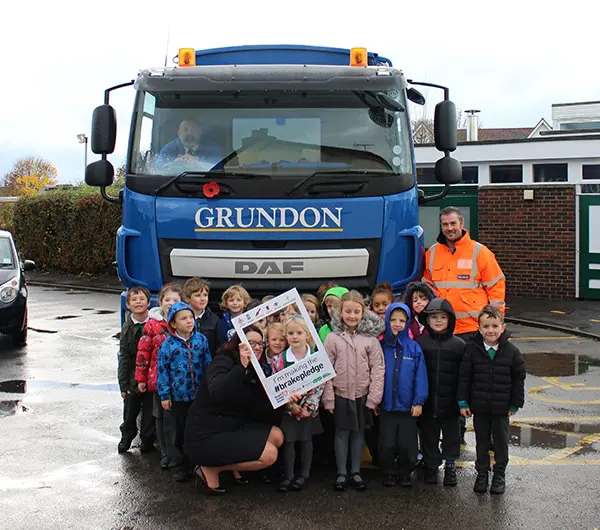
column 60, row 410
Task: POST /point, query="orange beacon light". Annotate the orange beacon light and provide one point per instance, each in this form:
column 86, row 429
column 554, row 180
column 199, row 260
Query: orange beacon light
column 187, row 57
column 358, row 57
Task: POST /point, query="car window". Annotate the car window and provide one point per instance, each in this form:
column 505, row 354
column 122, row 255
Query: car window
column 7, row 258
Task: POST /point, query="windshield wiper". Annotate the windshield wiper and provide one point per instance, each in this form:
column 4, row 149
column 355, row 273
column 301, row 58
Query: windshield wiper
column 6, row 266
column 362, row 172
column 219, row 174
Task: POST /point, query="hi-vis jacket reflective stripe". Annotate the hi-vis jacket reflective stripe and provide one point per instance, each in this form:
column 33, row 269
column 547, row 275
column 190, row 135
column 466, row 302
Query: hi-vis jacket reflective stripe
column 470, row 278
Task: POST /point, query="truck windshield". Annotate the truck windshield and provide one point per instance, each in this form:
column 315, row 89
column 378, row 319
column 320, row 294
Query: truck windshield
column 272, row 133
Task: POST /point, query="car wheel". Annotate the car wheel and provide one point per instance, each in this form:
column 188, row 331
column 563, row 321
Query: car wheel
column 19, row 337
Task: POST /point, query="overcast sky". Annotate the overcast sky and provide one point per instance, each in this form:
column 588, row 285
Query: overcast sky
column 511, row 61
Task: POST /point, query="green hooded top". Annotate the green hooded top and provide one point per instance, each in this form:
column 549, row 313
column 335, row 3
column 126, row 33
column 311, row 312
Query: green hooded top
column 325, row 329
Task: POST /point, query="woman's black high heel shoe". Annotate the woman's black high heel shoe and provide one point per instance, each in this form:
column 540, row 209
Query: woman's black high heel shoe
column 202, row 482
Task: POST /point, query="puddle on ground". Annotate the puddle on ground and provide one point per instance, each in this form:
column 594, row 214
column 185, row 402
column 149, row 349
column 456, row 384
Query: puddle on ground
column 558, row 364
column 105, row 312
column 21, row 386
column 555, row 436
column 66, row 317
column 531, row 437
column 11, row 407
column 15, row 386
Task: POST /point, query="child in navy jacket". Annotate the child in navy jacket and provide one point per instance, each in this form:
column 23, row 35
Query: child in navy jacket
column 404, row 393
column 182, row 360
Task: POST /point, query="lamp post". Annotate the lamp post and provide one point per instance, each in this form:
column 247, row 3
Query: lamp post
column 83, row 139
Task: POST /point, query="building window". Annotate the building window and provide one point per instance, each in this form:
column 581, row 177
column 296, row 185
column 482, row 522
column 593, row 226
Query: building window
column 470, row 174
column 591, row 172
column 506, row 174
column 550, row 173
column 426, row 175
column 580, row 125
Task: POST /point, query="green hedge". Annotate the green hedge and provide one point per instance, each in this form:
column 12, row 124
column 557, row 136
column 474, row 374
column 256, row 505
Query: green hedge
column 67, row 231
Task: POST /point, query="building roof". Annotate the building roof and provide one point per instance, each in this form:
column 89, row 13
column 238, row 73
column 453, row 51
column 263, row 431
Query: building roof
column 492, row 135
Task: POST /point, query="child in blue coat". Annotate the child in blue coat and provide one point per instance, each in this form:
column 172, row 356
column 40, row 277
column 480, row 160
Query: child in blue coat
column 404, row 393
column 182, row 360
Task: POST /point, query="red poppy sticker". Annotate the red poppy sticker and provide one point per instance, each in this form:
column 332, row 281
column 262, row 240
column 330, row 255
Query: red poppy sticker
column 211, row 189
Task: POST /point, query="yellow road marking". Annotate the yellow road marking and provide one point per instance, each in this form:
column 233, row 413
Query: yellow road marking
column 557, row 312
column 535, row 393
column 557, row 382
column 594, row 320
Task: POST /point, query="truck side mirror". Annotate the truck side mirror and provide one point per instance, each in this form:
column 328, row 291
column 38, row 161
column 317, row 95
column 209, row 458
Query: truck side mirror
column 444, row 126
column 104, row 130
column 100, row 173
column 448, row 171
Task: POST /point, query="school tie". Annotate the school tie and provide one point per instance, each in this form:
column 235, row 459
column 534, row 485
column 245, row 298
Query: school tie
column 492, row 353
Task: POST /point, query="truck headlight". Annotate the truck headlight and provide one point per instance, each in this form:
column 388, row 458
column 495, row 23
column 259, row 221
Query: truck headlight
column 9, row 290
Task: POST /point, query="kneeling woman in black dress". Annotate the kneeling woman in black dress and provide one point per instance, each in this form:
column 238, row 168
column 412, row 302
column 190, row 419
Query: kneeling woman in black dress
column 232, row 426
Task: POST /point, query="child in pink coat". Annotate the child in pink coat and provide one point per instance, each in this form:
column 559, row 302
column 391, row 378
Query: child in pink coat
column 356, row 355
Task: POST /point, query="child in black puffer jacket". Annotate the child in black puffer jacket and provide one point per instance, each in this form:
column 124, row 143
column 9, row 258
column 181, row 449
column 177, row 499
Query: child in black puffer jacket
column 443, row 354
column 492, row 388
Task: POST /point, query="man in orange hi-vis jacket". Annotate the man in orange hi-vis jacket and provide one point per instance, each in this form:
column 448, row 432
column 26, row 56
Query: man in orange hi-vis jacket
column 463, row 272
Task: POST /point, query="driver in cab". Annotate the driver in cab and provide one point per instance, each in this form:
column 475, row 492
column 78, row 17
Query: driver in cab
column 189, row 149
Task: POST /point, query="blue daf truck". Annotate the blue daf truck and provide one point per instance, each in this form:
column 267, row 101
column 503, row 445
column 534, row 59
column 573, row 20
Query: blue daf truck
column 271, row 166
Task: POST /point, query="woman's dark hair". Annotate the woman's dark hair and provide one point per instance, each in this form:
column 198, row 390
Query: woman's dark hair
column 232, row 346
column 252, row 304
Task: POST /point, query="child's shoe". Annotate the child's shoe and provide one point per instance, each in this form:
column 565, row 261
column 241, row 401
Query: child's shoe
column 450, row 475
column 431, row 475
column 124, row 445
column 481, row 482
column 164, row 462
column 298, row 483
column 180, row 475
column 284, row 486
column 358, row 482
column 340, row 483
column 498, row 483
column 406, row 480
column 389, row 481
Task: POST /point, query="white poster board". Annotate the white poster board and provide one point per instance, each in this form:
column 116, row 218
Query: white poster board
column 304, row 375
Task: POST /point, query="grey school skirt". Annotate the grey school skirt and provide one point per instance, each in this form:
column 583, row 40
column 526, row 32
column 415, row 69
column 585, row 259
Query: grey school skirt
column 300, row 431
column 351, row 414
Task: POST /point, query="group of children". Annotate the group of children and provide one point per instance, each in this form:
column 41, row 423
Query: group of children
column 402, row 377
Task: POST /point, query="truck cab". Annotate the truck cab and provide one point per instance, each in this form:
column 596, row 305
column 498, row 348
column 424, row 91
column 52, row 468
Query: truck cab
column 271, row 166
